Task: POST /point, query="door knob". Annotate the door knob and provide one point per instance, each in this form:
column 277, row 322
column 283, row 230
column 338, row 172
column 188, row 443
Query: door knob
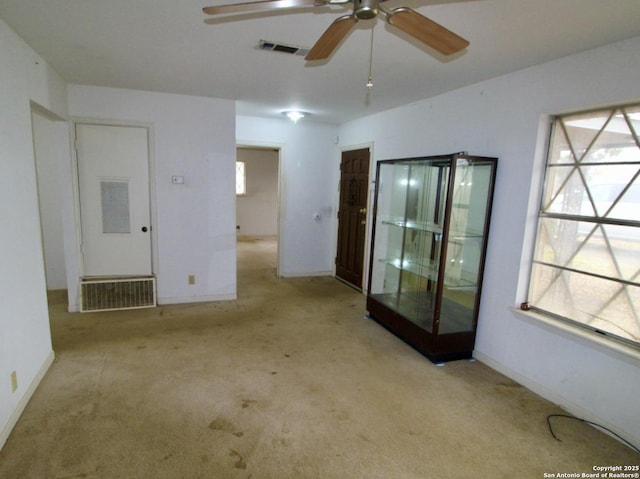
column 144, row 229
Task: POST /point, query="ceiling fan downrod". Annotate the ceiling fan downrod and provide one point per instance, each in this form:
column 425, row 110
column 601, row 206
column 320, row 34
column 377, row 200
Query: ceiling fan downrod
column 365, row 9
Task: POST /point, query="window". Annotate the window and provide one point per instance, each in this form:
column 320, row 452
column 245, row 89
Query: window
column 241, row 178
column 586, row 266
column 114, row 197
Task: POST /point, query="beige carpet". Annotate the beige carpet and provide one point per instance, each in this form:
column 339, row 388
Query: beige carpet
column 289, row 381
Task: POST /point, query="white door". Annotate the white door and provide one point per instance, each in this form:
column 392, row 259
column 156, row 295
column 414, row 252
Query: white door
column 113, row 172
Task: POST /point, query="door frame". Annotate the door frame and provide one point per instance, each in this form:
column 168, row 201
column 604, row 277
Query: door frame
column 370, row 192
column 279, row 147
column 152, row 184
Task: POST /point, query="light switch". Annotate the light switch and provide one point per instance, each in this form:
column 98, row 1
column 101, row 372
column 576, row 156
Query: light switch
column 177, row 180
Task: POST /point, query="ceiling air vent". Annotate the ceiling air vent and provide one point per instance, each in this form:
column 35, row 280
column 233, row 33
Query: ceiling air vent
column 281, row 47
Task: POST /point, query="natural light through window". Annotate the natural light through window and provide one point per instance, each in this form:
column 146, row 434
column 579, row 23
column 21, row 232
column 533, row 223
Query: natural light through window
column 241, row 179
column 586, row 267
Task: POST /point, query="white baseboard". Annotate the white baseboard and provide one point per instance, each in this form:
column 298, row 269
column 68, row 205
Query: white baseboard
column 561, row 401
column 197, row 299
column 306, row 274
column 17, row 412
column 256, row 237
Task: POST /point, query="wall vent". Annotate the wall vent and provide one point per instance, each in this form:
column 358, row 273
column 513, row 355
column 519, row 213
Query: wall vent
column 281, row 47
column 109, row 294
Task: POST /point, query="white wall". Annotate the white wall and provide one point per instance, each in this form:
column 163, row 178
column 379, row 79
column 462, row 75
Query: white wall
column 195, row 228
column 505, row 117
column 257, row 211
column 25, row 339
column 309, row 162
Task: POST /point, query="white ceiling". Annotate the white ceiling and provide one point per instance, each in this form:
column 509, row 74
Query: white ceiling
column 171, row 46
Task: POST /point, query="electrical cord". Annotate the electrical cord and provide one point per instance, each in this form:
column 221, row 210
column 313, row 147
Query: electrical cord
column 591, row 424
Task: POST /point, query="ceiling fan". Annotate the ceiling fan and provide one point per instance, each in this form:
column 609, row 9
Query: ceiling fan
column 406, row 19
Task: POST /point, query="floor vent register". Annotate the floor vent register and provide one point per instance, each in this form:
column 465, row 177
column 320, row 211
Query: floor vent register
column 109, row 294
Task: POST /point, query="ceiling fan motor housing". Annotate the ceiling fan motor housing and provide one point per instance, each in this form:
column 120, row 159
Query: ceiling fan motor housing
column 365, row 9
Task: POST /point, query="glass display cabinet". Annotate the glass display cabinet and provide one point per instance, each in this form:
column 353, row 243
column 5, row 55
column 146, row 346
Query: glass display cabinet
column 431, row 220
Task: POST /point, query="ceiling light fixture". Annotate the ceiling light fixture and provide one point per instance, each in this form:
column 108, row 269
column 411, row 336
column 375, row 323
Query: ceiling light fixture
column 295, row 115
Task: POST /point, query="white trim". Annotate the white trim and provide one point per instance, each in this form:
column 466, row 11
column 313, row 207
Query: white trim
column 549, row 395
column 26, row 397
column 257, row 237
column 43, row 111
column 196, row 299
column 75, row 184
column 307, row 274
column 151, row 141
column 533, row 209
column 152, row 183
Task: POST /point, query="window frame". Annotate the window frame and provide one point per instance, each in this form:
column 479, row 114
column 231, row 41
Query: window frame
column 244, row 178
column 556, row 121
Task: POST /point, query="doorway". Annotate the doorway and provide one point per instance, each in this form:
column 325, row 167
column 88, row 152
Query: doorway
column 51, row 153
column 257, row 204
column 352, row 216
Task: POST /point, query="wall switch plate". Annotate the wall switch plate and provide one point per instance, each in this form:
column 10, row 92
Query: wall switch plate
column 177, row 180
column 14, row 381
column 192, row 279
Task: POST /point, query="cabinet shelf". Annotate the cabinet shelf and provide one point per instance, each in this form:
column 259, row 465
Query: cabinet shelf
column 430, row 272
column 429, row 227
column 413, row 225
column 431, row 218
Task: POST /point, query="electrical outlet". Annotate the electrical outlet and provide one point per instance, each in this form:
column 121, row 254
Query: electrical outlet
column 192, row 279
column 14, row 382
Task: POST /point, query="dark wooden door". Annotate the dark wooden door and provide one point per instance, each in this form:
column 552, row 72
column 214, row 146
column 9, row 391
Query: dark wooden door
column 352, row 216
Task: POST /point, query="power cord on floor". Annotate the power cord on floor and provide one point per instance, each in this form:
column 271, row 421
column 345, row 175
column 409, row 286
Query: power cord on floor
column 591, row 424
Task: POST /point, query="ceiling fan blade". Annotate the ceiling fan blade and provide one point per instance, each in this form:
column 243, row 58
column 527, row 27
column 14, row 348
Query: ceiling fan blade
column 426, row 30
column 330, row 39
column 260, row 5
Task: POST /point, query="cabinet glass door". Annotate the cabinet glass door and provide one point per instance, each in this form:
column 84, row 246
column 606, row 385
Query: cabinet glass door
column 471, row 186
column 409, row 220
column 392, row 185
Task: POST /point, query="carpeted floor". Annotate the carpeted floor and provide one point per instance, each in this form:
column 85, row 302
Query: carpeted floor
column 289, row 381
